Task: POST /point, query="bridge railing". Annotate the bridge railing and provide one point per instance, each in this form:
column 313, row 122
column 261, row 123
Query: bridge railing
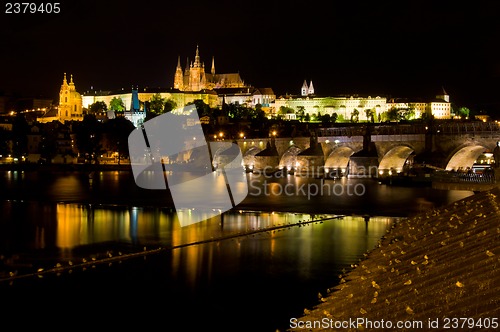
column 445, row 128
column 463, row 177
column 466, row 128
column 399, row 129
column 341, row 131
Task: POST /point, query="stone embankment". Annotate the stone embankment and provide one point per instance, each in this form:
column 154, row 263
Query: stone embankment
column 439, row 270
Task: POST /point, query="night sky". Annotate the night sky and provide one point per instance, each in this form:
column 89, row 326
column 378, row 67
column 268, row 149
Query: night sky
column 394, row 49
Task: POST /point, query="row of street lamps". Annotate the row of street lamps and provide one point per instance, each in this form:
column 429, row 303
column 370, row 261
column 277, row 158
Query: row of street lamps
column 220, row 136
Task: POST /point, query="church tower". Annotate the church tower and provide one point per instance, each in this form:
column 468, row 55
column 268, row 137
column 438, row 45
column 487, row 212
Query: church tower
column 70, row 102
column 304, row 89
column 444, row 96
column 196, row 73
column 310, row 91
column 179, row 77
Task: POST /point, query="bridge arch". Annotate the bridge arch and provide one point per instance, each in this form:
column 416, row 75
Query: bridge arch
column 395, row 159
column 464, row 157
column 289, row 158
column 249, row 156
column 339, row 159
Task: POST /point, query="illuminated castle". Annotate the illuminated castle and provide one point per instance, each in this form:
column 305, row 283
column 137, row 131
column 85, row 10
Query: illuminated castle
column 194, row 77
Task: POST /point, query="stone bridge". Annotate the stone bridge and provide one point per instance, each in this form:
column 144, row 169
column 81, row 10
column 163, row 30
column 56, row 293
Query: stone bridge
column 446, row 145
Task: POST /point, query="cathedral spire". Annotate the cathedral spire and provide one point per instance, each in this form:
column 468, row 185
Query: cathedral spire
column 178, row 78
column 197, row 58
column 304, row 89
column 65, row 82
column 310, row 91
column 71, row 84
column 213, row 66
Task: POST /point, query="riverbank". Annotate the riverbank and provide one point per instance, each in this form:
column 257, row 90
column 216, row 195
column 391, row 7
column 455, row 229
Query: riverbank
column 64, row 167
column 437, row 270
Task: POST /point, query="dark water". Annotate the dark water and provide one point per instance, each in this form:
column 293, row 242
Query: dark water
column 122, row 256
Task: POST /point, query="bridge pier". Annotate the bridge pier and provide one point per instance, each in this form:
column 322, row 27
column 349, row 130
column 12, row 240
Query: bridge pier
column 368, row 149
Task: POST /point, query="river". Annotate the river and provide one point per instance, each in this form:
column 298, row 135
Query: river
column 112, row 250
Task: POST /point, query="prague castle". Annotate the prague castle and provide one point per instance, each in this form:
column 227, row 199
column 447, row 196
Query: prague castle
column 195, row 83
column 195, row 78
column 190, row 84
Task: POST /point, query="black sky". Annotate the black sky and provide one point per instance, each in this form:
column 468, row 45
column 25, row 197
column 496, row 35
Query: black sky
column 395, row 49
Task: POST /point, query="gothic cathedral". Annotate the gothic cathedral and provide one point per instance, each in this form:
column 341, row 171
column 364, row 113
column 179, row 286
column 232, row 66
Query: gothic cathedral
column 194, row 78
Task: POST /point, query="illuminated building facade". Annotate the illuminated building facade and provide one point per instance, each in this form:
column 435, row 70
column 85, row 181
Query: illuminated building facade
column 194, row 77
column 345, row 106
column 439, row 107
column 194, row 83
column 70, row 104
column 180, row 98
column 70, row 101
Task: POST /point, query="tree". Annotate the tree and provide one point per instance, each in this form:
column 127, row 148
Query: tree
column 300, row 113
column 116, row 104
column 463, row 112
column 203, row 109
column 407, row 114
column 117, row 131
column 428, row 118
column 88, row 138
column 370, row 115
column 156, row 106
column 20, row 130
column 48, row 145
column 169, row 106
column 286, row 110
column 4, row 137
column 237, row 112
column 392, row 114
column 355, row 116
column 98, row 108
column 326, row 119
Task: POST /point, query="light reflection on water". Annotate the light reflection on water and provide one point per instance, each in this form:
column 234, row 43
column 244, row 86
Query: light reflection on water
column 57, row 218
column 293, row 237
column 77, row 225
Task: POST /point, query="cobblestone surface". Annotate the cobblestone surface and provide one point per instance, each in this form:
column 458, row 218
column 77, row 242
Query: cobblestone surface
column 439, row 269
